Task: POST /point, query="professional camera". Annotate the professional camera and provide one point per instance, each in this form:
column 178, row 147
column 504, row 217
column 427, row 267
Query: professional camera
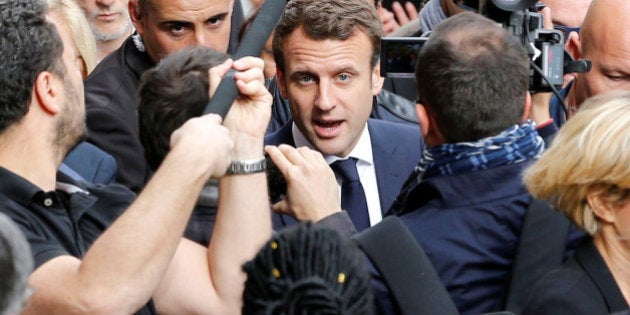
column 545, row 48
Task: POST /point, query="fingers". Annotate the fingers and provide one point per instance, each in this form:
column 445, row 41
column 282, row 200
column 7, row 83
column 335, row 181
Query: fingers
column 281, row 207
column 277, row 157
column 387, row 20
column 215, row 74
column 404, row 15
column 248, row 70
column 251, row 86
column 280, row 156
column 248, row 62
column 285, row 157
column 250, row 78
column 547, row 21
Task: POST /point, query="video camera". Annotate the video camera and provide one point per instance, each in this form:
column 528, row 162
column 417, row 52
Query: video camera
column 545, row 48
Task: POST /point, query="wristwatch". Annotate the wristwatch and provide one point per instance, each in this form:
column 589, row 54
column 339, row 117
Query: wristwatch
column 247, row 167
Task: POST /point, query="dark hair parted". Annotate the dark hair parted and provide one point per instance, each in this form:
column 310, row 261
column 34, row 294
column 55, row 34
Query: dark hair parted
column 329, row 19
column 472, row 77
column 170, row 94
column 29, row 44
column 306, row 269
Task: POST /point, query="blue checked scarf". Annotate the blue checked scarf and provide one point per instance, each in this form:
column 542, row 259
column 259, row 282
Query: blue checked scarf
column 514, row 145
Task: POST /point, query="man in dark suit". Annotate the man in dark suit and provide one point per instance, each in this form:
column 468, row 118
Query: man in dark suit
column 162, row 27
column 327, row 56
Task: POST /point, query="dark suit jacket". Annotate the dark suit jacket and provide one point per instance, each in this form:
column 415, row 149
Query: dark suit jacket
column 112, row 118
column 396, row 149
column 584, row 285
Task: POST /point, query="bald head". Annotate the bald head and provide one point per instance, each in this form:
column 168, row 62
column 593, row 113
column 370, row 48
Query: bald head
column 569, row 13
column 605, row 23
column 604, row 39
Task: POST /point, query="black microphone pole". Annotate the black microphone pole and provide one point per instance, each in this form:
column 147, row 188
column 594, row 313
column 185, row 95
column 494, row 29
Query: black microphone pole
column 251, row 45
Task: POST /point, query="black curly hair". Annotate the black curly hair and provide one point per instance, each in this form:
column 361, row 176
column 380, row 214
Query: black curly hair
column 29, row 44
column 306, row 269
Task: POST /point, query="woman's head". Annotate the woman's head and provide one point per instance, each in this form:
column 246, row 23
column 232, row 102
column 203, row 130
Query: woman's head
column 587, row 162
column 72, row 16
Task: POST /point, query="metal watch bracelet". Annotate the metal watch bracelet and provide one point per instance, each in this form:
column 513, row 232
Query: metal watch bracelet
column 247, row 167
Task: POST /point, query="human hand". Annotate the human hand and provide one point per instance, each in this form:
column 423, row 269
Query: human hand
column 388, row 20
column 249, row 115
column 204, row 145
column 406, row 14
column 312, row 191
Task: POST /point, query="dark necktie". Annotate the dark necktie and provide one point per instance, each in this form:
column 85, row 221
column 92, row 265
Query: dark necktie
column 352, row 194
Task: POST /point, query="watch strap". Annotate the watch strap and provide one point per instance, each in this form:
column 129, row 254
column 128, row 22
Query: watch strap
column 247, row 167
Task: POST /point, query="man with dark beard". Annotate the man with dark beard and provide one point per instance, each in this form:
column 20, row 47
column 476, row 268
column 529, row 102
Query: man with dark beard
column 98, row 249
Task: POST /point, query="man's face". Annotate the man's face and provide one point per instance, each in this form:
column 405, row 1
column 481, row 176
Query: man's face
column 329, row 84
column 109, row 19
column 71, row 120
column 168, row 26
column 607, row 46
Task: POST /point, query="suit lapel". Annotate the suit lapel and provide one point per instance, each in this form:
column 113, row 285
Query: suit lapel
column 594, row 265
column 283, row 136
column 388, row 159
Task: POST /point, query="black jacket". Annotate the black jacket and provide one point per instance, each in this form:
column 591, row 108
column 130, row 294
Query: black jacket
column 112, row 116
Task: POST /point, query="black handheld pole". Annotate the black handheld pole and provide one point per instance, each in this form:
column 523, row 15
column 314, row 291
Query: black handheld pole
column 251, row 45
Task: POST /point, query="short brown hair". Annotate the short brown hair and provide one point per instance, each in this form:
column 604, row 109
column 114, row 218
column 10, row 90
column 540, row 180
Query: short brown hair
column 171, row 93
column 328, row 19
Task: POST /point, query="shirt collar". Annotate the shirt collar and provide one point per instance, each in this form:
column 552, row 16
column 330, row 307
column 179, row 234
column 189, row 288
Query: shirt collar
column 362, row 151
column 17, row 187
column 23, row 191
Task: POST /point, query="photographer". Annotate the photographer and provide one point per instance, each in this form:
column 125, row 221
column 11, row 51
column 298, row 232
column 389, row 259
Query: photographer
column 605, row 41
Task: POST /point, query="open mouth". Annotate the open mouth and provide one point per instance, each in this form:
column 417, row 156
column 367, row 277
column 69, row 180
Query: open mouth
column 327, row 128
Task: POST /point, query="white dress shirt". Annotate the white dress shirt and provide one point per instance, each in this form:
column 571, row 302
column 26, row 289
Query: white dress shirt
column 365, row 167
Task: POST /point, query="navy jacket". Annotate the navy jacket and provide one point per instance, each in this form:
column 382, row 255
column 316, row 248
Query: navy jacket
column 396, row 149
column 469, row 226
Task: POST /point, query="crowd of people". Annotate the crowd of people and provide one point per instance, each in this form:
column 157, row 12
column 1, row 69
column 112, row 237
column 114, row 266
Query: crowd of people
column 118, row 196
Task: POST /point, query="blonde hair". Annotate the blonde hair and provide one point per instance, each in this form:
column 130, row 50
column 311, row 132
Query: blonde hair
column 78, row 25
column 589, row 156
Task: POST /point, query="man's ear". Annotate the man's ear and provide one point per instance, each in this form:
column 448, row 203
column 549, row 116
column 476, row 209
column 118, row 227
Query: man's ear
column 137, row 16
column 282, row 87
column 574, row 45
column 430, row 132
column 602, row 208
column 424, row 119
column 377, row 80
column 47, row 92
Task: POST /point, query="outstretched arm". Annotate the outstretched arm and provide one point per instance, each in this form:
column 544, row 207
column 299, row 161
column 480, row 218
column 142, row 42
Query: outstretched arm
column 120, row 271
column 243, row 222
